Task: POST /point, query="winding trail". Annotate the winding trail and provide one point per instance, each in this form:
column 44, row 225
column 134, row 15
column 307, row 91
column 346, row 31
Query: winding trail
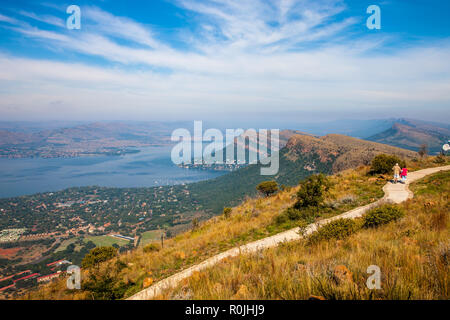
column 393, row 193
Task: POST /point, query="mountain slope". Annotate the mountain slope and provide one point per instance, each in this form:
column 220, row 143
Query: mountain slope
column 411, row 134
column 302, row 156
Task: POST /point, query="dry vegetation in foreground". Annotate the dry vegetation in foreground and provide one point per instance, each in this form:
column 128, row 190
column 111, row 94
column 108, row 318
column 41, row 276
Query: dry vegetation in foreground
column 254, row 219
column 413, row 253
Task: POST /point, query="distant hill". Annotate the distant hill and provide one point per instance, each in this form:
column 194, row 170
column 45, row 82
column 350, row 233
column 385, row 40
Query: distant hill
column 349, row 127
column 411, row 134
column 84, row 139
column 17, row 138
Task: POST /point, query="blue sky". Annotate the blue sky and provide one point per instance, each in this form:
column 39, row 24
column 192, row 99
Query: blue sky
column 213, row 59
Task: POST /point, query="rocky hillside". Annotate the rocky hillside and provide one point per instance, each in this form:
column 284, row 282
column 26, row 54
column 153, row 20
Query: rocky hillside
column 338, row 151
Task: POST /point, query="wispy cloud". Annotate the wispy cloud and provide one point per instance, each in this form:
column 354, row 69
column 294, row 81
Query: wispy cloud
column 52, row 20
column 120, row 27
column 7, row 19
column 258, row 24
column 252, row 55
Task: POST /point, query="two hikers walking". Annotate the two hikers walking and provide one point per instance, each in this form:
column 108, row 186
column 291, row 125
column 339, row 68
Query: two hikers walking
column 399, row 173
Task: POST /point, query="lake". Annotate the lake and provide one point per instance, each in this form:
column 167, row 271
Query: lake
column 150, row 167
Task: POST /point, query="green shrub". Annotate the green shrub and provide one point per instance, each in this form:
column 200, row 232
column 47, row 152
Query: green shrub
column 152, row 247
column 104, row 287
column 267, row 187
column 440, row 159
column 282, row 218
column 227, row 212
column 312, row 191
column 337, row 229
column 195, row 224
column 382, row 215
column 97, row 256
column 383, row 164
column 292, row 214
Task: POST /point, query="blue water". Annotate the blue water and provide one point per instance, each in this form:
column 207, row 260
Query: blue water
column 150, row 167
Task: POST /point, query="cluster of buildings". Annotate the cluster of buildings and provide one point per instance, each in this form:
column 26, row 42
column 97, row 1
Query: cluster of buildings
column 69, row 204
column 27, row 277
column 9, row 235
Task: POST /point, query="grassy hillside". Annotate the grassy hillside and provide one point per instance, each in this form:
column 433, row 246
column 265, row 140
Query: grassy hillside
column 412, row 253
column 254, row 219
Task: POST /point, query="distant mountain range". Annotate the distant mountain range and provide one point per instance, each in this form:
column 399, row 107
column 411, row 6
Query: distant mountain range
column 71, row 139
column 411, row 134
column 108, row 138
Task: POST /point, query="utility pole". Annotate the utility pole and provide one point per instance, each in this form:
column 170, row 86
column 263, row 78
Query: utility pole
column 162, row 240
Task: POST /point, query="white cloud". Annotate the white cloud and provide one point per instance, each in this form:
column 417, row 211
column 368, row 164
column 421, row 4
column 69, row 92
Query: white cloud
column 55, row 21
column 244, row 56
column 7, row 19
column 121, row 27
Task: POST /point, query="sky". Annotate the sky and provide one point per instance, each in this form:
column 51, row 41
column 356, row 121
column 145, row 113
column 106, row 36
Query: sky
column 224, row 59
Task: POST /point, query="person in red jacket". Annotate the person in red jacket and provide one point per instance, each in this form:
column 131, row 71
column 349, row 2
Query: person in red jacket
column 403, row 174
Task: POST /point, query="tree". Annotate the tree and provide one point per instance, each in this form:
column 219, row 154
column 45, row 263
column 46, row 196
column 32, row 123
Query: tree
column 195, row 224
column 70, row 248
column 227, row 212
column 383, row 164
column 312, row 191
column 97, row 256
column 423, row 150
column 267, row 187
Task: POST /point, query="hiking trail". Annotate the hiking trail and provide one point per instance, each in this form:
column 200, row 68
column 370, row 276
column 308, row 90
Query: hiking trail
column 393, row 193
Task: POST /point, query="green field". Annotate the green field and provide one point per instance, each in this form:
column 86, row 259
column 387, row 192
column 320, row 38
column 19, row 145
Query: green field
column 65, row 243
column 150, row 236
column 106, row 241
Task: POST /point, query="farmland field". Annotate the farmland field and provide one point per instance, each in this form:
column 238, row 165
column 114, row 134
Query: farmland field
column 106, row 241
column 65, row 243
column 149, row 236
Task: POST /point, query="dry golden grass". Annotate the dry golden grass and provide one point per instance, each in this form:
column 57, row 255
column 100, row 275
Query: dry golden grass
column 413, row 254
